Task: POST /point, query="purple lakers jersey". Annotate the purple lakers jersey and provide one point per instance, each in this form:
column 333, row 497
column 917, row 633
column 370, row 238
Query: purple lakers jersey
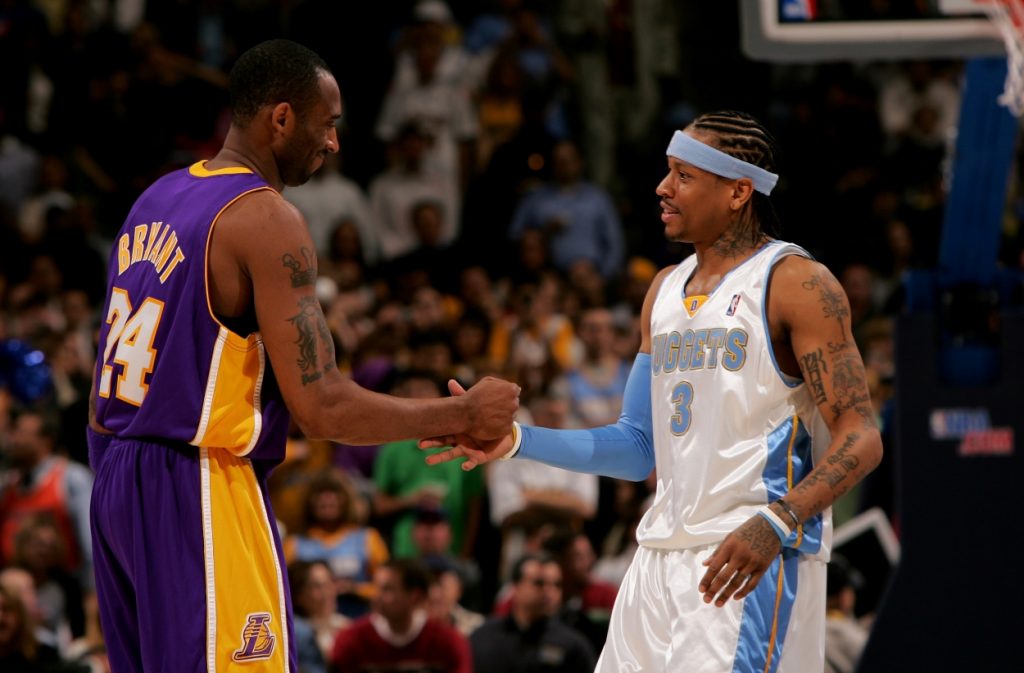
column 167, row 368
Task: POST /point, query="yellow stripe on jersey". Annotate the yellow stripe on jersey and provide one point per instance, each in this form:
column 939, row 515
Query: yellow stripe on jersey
column 199, row 170
column 246, row 622
column 775, row 614
column 231, row 415
column 789, row 474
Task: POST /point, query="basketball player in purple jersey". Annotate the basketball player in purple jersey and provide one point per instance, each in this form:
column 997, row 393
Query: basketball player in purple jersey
column 213, row 334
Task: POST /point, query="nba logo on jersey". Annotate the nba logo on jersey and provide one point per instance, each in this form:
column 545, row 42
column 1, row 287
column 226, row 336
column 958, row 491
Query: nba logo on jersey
column 694, row 305
column 257, row 639
column 733, row 305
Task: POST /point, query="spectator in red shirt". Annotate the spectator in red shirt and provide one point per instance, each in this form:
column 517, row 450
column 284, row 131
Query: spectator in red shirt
column 398, row 635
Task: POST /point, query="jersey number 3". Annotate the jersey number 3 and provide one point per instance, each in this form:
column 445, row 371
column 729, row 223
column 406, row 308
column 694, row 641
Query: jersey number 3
column 682, row 397
column 131, row 341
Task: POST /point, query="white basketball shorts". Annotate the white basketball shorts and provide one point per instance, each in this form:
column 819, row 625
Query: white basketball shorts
column 661, row 624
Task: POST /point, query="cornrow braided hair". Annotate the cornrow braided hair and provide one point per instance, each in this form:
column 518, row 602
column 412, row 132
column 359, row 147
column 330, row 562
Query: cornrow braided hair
column 740, row 135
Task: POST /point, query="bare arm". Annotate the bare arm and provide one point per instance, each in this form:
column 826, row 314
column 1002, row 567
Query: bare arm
column 261, row 245
column 808, row 312
column 815, row 311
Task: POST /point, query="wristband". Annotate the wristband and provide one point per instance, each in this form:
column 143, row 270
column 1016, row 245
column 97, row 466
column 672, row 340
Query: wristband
column 780, row 528
column 790, row 511
column 517, row 441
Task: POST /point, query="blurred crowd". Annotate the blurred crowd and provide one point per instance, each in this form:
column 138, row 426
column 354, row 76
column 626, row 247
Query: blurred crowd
column 491, row 211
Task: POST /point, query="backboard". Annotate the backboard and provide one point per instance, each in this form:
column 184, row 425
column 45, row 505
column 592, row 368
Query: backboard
column 828, row 30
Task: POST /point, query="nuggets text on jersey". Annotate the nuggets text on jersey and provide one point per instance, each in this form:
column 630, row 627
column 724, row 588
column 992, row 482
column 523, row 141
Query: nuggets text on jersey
column 698, row 349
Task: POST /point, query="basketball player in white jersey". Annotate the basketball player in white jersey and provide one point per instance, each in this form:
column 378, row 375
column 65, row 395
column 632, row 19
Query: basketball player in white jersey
column 750, row 400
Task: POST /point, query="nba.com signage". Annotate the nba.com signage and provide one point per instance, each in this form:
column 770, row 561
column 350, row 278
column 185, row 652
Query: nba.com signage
column 973, row 428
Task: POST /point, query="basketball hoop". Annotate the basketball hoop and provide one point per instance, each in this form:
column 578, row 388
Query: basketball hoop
column 1008, row 17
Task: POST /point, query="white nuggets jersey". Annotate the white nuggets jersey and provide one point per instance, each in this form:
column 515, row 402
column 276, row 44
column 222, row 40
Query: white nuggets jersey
column 732, row 432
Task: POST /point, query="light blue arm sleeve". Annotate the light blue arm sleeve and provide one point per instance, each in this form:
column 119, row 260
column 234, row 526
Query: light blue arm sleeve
column 624, row 450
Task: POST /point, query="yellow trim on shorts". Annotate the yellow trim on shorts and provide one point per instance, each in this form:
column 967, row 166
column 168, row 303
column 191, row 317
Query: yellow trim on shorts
column 775, row 616
column 246, row 616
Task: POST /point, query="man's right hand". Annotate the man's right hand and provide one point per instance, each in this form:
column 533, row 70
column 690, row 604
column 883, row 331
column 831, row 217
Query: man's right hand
column 476, row 452
column 490, row 405
column 476, row 449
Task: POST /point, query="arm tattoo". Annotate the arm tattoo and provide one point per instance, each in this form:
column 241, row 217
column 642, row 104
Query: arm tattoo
column 305, row 322
column 309, row 321
column 813, row 364
column 760, row 536
column 841, row 470
column 301, row 277
column 832, row 298
column 834, row 348
column 325, row 336
column 842, row 461
column 849, row 385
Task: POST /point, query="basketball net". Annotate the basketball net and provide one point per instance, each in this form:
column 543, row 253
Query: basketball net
column 1008, row 16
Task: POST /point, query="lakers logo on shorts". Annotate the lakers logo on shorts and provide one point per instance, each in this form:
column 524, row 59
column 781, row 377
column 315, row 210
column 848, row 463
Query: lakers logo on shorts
column 257, row 639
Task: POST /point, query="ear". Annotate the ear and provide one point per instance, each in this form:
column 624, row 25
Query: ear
column 742, row 192
column 282, row 116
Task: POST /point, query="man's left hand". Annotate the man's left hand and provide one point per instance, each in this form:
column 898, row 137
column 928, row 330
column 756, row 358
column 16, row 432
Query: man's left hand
column 739, row 562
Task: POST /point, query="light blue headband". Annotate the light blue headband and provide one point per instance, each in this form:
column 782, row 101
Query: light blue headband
column 692, row 151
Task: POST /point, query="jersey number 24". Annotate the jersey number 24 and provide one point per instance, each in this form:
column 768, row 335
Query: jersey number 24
column 130, row 340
